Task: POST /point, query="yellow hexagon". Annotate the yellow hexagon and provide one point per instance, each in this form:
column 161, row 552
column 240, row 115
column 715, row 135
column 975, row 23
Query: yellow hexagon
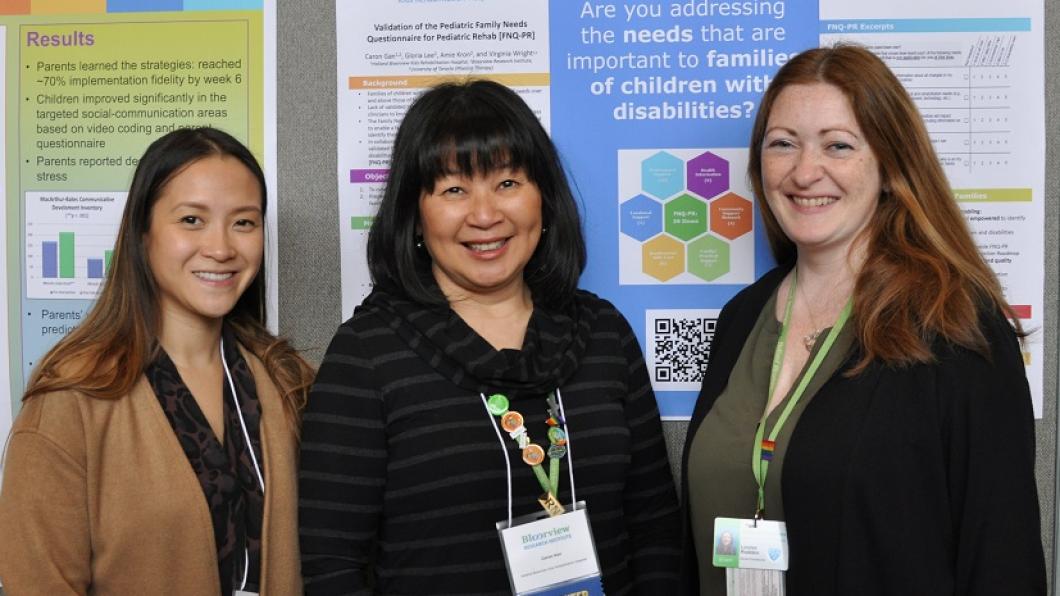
column 664, row 257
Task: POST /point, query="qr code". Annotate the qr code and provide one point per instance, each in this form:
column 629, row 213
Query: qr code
column 678, row 347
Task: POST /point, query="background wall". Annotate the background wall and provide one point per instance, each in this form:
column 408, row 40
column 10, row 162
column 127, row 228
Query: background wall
column 308, row 240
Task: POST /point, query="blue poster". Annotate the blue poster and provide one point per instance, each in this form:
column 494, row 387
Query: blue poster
column 652, row 105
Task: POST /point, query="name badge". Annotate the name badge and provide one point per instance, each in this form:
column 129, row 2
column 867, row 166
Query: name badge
column 750, row 544
column 754, row 553
column 244, row 593
column 551, row 556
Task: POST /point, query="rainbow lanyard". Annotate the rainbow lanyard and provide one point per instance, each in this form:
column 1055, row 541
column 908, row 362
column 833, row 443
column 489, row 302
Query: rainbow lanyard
column 762, row 452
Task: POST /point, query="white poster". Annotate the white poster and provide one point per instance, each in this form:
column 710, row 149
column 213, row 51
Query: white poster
column 974, row 70
column 6, row 405
column 389, row 52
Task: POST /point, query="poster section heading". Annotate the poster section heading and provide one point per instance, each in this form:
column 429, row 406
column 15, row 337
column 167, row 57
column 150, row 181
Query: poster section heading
column 90, row 102
column 703, row 69
column 503, row 46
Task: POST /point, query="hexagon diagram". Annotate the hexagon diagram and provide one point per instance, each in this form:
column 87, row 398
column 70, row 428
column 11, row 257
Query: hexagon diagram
column 662, row 175
column 708, row 258
column 641, row 217
column 731, row 216
column 708, row 175
column 664, row 257
column 686, row 217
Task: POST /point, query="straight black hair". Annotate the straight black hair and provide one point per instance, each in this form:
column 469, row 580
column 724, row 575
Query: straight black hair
column 476, row 127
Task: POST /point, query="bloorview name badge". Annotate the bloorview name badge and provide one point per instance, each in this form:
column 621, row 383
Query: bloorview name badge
column 551, row 556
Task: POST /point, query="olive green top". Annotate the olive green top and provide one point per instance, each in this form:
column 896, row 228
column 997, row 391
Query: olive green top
column 720, row 481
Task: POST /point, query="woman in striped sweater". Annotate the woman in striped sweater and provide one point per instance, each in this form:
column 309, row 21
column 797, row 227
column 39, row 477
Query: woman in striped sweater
column 475, row 255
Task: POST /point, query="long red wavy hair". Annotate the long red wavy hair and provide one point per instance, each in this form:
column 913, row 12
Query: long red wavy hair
column 923, row 277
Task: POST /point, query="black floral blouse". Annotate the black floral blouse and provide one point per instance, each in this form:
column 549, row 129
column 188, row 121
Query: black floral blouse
column 225, row 472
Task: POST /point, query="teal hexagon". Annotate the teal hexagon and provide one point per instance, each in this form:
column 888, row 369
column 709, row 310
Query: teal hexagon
column 708, row 258
column 685, row 217
column 662, row 175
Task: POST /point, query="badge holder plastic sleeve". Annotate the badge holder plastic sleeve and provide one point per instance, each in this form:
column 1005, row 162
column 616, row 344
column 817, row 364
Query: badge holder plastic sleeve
column 584, row 585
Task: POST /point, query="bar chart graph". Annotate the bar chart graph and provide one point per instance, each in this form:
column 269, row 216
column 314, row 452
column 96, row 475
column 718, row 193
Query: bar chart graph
column 57, row 259
column 69, row 242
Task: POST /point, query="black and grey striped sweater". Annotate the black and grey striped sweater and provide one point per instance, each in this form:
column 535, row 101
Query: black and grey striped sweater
column 402, row 475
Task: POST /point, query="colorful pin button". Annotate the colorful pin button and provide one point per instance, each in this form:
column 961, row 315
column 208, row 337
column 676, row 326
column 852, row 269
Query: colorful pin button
column 511, row 421
column 497, row 404
column 557, row 452
column 533, row 455
column 556, row 436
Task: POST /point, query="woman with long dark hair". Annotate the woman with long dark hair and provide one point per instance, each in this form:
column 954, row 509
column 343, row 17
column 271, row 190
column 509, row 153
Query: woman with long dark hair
column 477, row 384
column 155, row 450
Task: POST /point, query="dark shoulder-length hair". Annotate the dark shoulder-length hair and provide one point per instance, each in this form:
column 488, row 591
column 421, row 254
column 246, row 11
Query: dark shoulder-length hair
column 105, row 356
column 923, row 277
column 473, row 127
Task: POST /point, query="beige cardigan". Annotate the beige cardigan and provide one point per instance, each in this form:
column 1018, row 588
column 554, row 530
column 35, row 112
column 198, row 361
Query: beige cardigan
column 99, row 498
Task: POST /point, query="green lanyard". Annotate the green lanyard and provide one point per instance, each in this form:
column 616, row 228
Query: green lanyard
column 533, row 454
column 762, row 452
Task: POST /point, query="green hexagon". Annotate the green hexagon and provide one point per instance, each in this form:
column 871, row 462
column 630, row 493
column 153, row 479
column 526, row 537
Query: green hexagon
column 686, row 217
column 708, row 258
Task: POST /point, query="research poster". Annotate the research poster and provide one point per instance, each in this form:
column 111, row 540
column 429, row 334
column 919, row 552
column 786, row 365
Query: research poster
column 651, row 105
column 977, row 76
column 88, row 85
column 388, row 53
column 6, row 409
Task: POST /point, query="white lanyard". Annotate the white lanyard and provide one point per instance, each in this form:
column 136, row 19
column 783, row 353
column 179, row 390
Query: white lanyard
column 250, row 448
column 508, row 463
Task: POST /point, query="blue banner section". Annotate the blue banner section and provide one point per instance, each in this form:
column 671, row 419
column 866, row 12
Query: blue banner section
column 665, row 94
column 590, row 586
column 862, row 26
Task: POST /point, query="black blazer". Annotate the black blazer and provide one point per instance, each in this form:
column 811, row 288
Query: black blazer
column 899, row 481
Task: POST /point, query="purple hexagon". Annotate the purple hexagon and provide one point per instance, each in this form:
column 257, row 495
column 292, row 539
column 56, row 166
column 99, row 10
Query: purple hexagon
column 708, row 175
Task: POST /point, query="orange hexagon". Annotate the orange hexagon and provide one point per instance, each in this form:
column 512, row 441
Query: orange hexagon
column 731, row 216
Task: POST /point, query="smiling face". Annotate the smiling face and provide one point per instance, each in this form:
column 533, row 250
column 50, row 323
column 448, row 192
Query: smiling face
column 481, row 231
column 821, row 178
column 205, row 241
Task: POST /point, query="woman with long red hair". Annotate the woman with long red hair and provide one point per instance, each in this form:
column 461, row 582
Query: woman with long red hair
column 867, row 398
